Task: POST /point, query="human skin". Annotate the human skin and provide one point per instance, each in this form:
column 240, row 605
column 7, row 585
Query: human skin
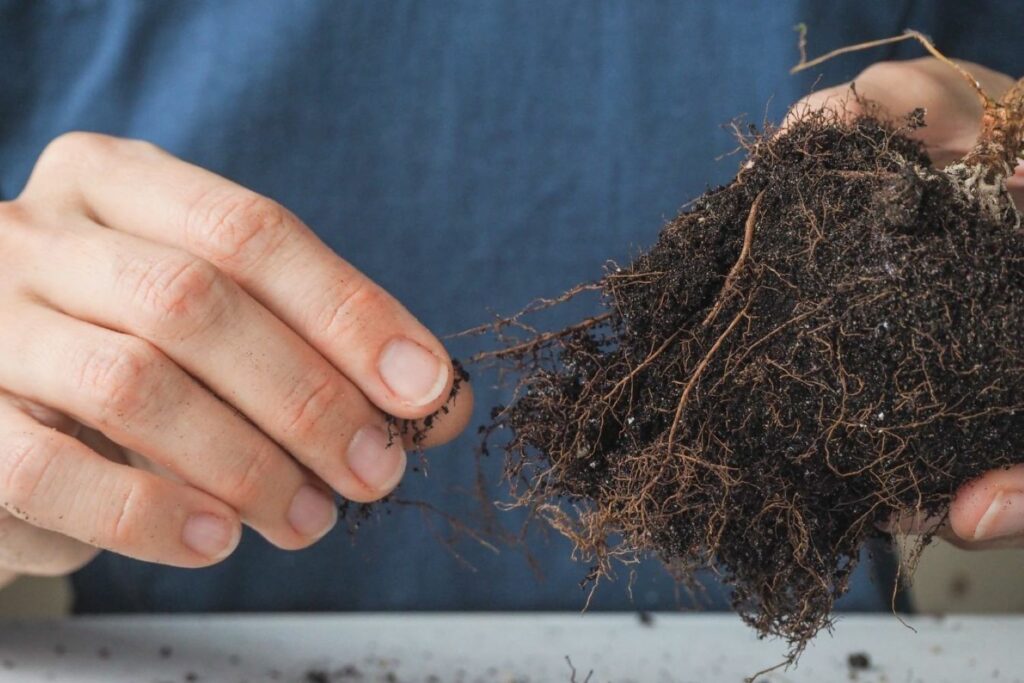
column 180, row 356
column 988, row 512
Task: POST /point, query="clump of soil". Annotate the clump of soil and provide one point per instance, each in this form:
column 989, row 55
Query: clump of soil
column 858, row 661
column 835, row 337
column 417, row 430
column 354, row 514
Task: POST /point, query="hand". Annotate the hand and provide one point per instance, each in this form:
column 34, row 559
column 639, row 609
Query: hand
column 179, row 355
column 988, row 512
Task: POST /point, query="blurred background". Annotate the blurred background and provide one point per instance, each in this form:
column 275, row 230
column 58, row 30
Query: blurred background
column 947, row 581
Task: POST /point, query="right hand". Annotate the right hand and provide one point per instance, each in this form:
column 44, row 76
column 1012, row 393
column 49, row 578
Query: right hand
column 179, row 355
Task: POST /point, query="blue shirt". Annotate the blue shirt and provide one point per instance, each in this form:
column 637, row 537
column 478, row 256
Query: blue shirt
column 469, row 156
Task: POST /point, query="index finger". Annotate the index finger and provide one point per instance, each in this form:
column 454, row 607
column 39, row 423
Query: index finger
column 363, row 331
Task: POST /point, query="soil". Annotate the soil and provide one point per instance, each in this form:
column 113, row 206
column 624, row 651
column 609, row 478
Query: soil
column 355, row 514
column 833, row 338
column 858, row 661
column 417, row 429
column 959, row 586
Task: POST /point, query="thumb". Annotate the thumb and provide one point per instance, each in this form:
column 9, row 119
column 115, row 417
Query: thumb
column 991, row 508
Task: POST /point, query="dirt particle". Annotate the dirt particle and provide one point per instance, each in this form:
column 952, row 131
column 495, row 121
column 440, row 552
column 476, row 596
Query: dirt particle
column 858, row 661
column 959, row 585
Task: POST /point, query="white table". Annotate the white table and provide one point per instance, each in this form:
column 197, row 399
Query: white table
column 498, row 648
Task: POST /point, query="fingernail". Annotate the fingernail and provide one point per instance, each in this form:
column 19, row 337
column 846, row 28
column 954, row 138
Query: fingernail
column 412, row 372
column 312, row 512
column 376, row 463
column 210, row 535
column 1004, row 517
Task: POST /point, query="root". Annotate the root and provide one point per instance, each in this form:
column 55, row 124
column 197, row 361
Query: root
column 908, row 34
column 541, row 340
column 803, row 354
column 727, row 289
column 695, row 377
column 730, row 279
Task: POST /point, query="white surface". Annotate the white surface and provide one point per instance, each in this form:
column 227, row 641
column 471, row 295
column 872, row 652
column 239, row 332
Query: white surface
column 498, row 648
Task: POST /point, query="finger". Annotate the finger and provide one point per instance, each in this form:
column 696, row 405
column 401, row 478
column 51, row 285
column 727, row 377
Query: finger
column 445, row 425
column 55, row 482
column 130, row 391
column 840, row 100
column 991, row 508
column 43, row 414
column 217, row 333
column 393, row 359
column 26, row 549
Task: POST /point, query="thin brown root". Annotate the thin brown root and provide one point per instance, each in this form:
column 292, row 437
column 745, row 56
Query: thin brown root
column 909, row 34
column 700, row 369
column 572, row 668
column 536, row 306
column 748, row 239
column 541, row 339
column 456, row 524
column 786, row 662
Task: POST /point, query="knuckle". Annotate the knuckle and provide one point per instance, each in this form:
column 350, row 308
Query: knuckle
column 25, row 461
column 249, row 484
column 75, row 147
column 178, row 296
column 883, row 72
column 121, row 528
column 237, row 227
column 890, row 75
column 118, row 378
column 838, row 99
column 13, row 215
column 73, row 150
column 16, row 230
column 346, row 311
column 309, row 402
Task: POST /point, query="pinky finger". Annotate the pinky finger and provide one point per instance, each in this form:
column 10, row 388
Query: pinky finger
column 56, row 482
column 26, row 549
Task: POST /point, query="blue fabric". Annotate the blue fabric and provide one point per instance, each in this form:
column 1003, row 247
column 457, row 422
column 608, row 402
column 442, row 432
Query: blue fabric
column 468, row 155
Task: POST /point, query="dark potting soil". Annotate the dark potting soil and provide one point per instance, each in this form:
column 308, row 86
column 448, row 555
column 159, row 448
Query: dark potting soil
column 858, row 661
column 835, row 337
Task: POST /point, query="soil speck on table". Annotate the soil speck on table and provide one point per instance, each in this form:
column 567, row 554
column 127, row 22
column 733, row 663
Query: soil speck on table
column 858, row 661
